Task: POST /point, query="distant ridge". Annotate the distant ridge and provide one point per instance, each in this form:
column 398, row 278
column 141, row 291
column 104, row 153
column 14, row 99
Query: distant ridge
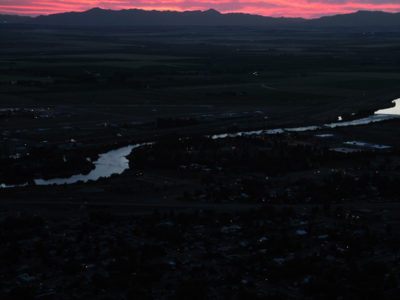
column 211, row 17
column 361, row 18
column 138, row 17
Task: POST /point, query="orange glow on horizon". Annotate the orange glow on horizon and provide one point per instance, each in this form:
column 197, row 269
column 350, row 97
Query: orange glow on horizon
column 275, row 8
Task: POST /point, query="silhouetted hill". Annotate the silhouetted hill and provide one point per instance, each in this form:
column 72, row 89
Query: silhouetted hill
column 138, row 17
column 211, row 17
column 367, row 19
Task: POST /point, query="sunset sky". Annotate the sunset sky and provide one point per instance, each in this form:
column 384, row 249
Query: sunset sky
column 288, row 8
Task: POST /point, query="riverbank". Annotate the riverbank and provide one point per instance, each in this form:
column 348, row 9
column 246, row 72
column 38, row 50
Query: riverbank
column 115, row 162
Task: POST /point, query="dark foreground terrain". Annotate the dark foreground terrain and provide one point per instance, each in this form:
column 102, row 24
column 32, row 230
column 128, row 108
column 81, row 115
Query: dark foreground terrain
column 287, row 215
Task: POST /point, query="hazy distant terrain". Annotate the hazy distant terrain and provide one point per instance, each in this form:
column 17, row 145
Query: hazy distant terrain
column 372, row 20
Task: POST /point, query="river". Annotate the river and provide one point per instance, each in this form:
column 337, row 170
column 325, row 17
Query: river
column 115, row 162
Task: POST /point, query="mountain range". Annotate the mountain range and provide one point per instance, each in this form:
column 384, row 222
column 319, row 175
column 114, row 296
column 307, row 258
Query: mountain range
column 137, row 17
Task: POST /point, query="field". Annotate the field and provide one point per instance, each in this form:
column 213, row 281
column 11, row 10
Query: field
column 289, row 215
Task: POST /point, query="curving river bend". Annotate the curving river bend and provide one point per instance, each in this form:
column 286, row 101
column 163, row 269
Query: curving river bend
column 115, row 161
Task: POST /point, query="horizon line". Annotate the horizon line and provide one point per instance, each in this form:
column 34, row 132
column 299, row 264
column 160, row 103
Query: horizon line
column 193, row 10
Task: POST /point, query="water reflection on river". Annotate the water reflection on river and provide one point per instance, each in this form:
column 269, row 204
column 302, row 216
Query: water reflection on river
column 378, row 116
column 110, row 163
column 115, row 161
